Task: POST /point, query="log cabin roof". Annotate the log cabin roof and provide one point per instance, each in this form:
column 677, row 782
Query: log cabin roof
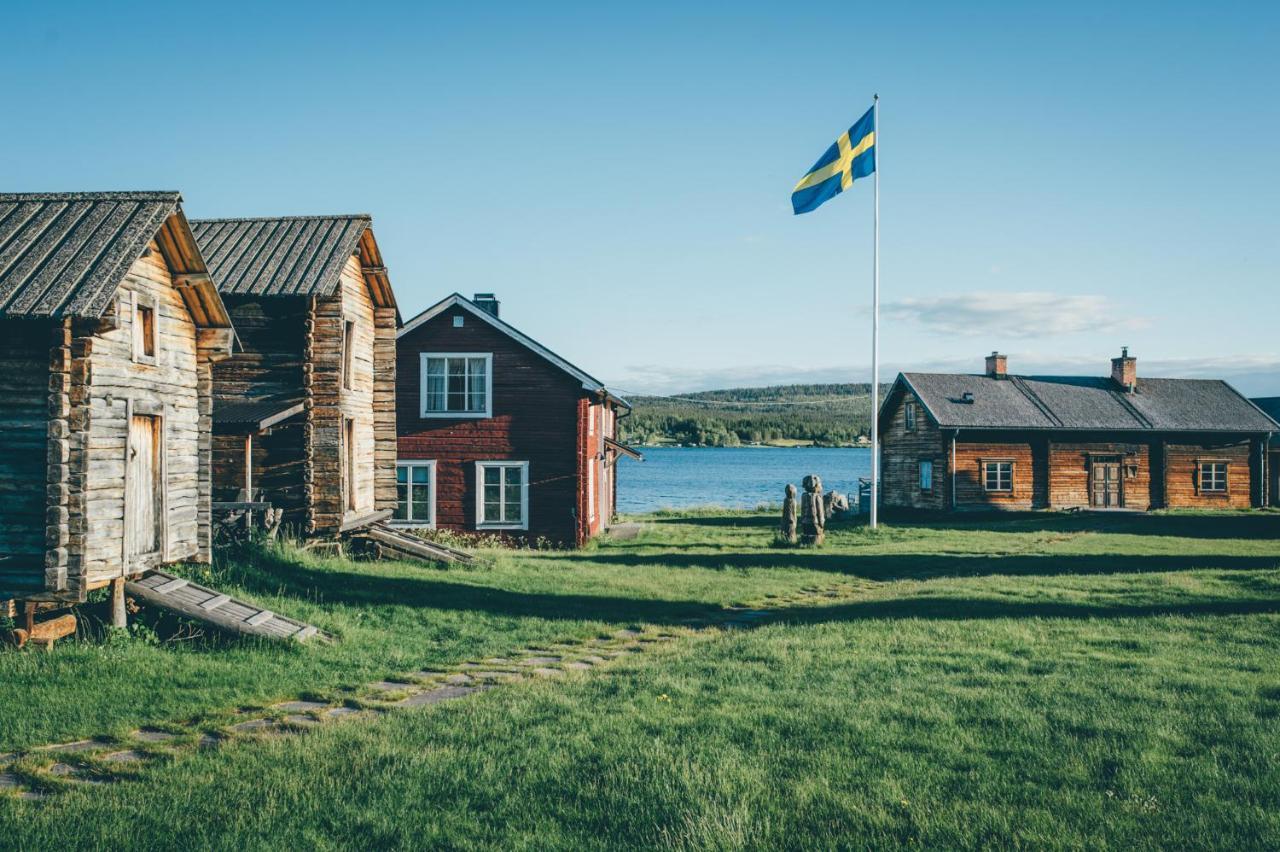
column 290, row 256
column 1081, row 403
column 589, row 382
column 63, row 254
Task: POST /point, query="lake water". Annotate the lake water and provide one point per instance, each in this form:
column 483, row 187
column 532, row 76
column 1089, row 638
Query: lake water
column 733, row 477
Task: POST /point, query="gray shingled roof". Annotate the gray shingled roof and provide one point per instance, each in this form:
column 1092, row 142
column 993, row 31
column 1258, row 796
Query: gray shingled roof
column 285, row 256
column 1085, row 403
column 63, row 254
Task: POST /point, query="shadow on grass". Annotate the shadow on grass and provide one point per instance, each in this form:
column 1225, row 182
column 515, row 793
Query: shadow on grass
column 1263, row 524
column 891, row 566
column 267, row 572
column 963, row 609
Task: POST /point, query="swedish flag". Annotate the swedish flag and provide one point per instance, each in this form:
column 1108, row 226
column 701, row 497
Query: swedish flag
column 853, row 156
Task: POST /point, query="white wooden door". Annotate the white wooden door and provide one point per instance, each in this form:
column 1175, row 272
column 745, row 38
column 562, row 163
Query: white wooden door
column 142, row 503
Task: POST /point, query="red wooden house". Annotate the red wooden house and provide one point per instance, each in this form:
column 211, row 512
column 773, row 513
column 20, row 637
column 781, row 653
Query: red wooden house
column 499, row 434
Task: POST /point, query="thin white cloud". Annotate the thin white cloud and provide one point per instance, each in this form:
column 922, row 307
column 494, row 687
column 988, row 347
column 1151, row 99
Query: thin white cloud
column 1019, row 314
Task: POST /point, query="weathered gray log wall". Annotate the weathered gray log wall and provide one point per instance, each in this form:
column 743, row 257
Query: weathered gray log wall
column 109, row 383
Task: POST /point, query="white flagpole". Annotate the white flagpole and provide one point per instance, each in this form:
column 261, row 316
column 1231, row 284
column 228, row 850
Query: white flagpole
column 875, row 329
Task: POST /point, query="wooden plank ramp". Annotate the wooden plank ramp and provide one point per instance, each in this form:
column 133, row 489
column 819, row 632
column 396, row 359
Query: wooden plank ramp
column 399, row 543
column 224, row 612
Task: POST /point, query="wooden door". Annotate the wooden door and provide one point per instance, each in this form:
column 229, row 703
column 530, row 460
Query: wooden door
column 1106, row 491
column 143, row 501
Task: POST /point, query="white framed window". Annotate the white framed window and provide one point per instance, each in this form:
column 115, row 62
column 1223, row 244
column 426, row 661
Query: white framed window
column 145, row 322
column 502, row 495
column 926, row 475
column 1212, row 477
column 909, row 412
column 997, row 476
column 457, row 384
column 416, row 493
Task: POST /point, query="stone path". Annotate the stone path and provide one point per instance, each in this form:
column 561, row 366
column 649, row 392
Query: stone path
column 37, row 773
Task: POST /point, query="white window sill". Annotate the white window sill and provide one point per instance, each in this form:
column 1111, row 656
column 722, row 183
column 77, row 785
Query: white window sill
column 483, row 527
column 455, row 415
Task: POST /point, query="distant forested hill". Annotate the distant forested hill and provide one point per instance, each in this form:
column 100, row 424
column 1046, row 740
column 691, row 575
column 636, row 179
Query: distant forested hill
column 827, row 415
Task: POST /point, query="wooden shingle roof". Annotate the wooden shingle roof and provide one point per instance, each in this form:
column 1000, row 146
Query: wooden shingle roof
column 1088, row 403
column 291, row 255
column 63, row 254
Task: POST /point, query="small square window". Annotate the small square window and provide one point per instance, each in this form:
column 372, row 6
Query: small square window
column 997, row 476
column 459, row 321
column 1213, row 477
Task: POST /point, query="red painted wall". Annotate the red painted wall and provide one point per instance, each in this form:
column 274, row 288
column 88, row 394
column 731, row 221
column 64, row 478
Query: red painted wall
column 538, row 417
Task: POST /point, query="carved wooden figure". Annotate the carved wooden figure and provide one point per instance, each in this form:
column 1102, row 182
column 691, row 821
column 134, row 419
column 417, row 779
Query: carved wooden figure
column 812, row 511
column 788, row 530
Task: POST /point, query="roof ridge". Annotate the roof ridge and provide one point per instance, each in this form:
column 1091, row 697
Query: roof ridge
column 1021, row 384
column 108, row 195
column 330, row 217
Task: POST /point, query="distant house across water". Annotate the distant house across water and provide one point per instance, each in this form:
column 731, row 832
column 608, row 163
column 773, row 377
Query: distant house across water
column 997, row 440
column 499, row 434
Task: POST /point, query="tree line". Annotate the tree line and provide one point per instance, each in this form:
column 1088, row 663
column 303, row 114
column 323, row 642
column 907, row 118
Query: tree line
column 824, row 414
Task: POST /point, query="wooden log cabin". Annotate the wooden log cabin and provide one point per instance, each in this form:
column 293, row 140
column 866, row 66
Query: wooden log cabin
column 109, row 328
column 1002, row 441
column 497, row 433
column 304, row 415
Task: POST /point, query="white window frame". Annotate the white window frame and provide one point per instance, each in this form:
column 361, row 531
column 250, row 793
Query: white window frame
column 482, row 524
column 1201, row 466
column 455, row 415
column 430, row 464
column 988, row 462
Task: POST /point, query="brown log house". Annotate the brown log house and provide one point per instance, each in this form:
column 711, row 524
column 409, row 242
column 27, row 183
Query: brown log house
column 109, row 329
column 304, row 414
column 497, row 433
column 1003, row 441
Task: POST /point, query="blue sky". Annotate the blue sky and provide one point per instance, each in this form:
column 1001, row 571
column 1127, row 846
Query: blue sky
column 1055, row 182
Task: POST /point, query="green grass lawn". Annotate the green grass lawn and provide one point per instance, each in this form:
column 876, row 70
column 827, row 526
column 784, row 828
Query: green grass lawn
column 1042, row 681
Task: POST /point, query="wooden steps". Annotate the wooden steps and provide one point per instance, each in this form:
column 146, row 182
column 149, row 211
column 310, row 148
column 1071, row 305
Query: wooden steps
column 399, row 543
column 224, row 612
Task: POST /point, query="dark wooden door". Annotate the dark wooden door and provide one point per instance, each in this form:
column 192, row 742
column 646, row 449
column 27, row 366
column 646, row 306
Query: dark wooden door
column 1106, row 491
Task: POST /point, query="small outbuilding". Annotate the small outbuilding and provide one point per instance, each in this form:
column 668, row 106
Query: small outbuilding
column 304, row 414
column 498, row 434
column 109, row 329
column 1002, row 441
column 1270, row 406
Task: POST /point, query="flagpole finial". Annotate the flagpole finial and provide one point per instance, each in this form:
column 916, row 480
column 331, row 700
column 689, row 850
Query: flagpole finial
column 875, row 97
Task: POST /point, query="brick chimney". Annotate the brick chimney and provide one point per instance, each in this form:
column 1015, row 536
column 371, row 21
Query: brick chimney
column 997, row 365
column 1124, row 370
column 487, row 302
